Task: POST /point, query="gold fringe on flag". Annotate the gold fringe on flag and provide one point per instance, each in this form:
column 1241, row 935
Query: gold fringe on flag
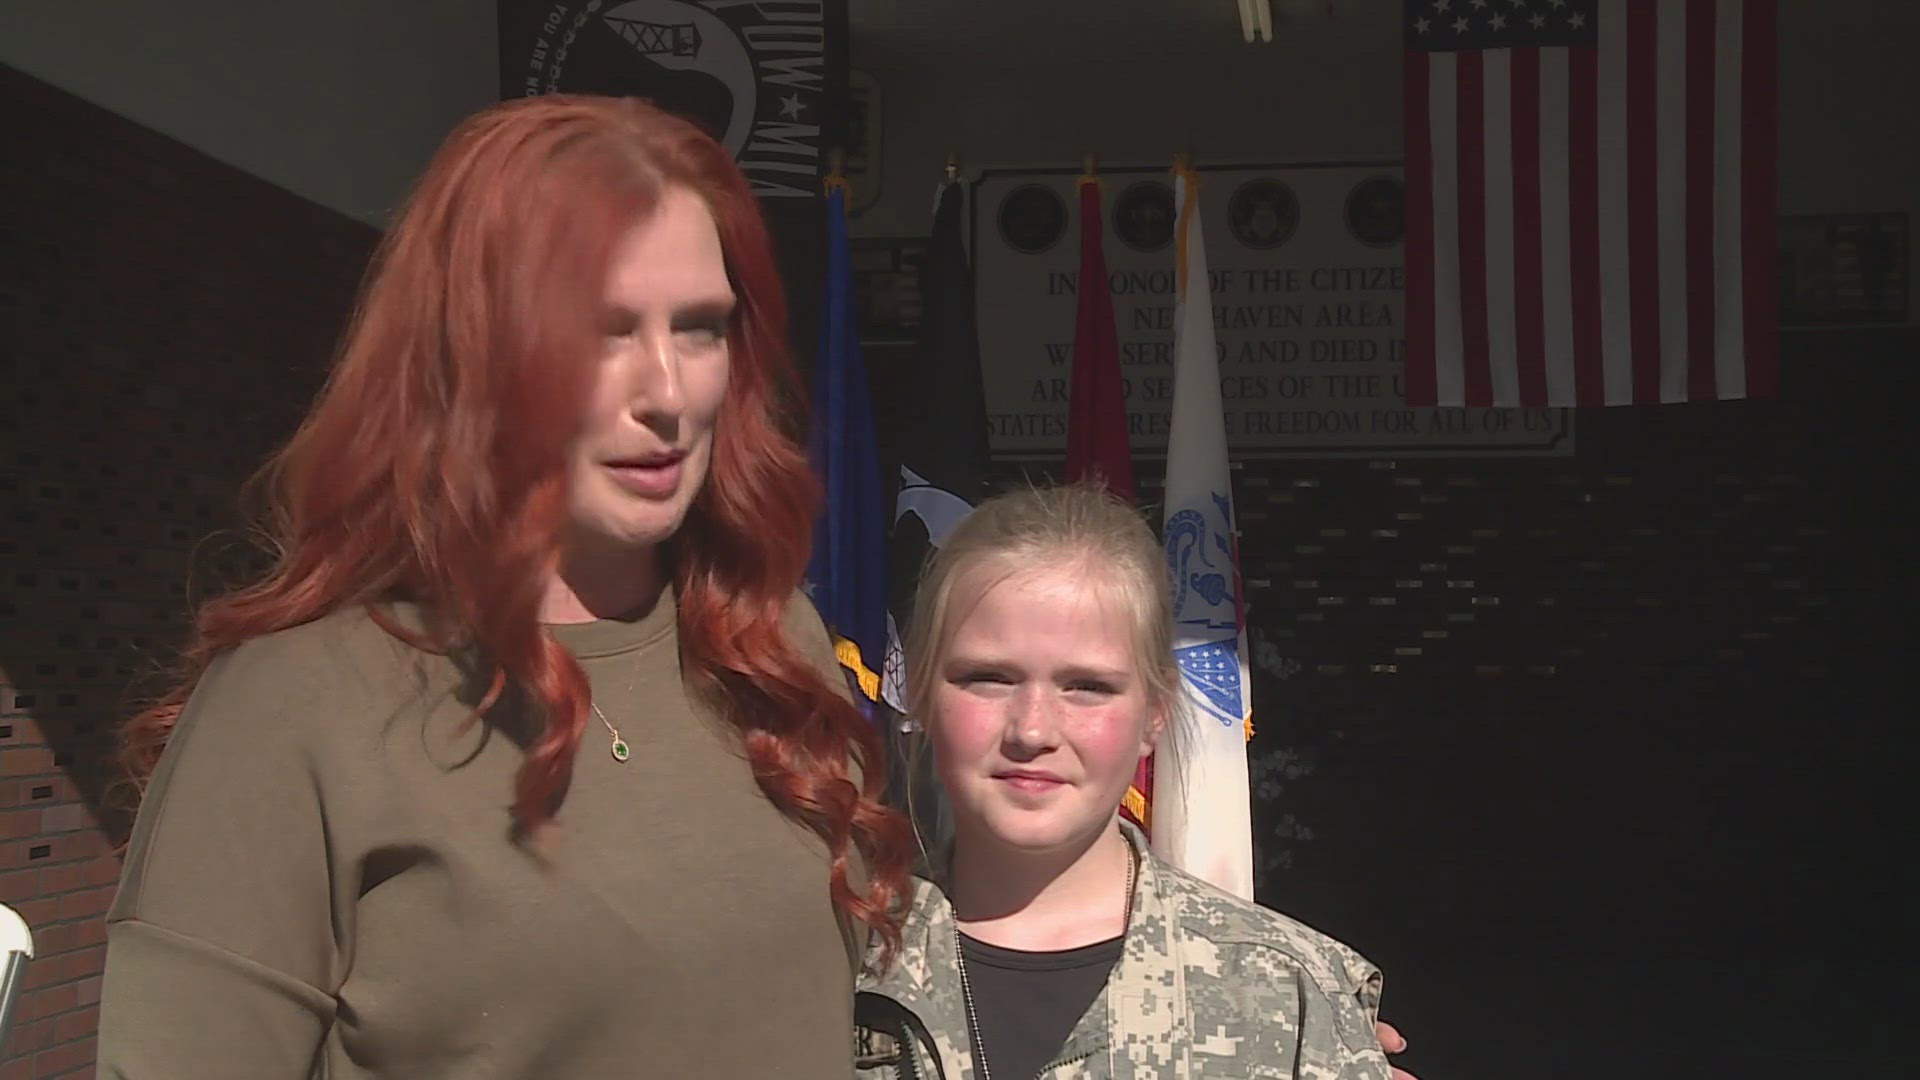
column 849, row 656
column 1136, row 804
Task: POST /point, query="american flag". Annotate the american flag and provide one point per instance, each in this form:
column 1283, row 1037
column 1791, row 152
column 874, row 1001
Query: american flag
column 1590, row 201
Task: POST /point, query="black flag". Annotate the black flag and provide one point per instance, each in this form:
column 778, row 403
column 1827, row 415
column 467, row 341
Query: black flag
column 768, row 80
column 943, row 456
column 943, row 473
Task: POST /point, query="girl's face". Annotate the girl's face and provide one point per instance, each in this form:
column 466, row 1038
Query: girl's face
column 1039, row 710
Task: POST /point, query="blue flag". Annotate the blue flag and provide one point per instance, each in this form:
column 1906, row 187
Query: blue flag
column 848, row 574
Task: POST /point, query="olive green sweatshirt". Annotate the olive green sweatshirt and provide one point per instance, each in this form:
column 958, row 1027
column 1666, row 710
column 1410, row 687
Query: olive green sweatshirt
column 322, row 881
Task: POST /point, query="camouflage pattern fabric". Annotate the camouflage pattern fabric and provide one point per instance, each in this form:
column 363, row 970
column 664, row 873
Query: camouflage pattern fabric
column 1208, row 985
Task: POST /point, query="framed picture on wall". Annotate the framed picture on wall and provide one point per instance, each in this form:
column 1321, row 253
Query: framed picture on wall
column 886, row 288
column 1843, row 268
column 863, row 142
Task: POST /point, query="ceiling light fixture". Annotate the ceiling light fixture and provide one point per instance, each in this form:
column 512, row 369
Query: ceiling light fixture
column 1256, row 19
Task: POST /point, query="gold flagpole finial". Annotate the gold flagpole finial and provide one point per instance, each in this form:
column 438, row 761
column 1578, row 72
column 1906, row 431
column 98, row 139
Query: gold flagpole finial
column 1183, row 162
column 1089, row 168
column 836, row 177
column 953, row 166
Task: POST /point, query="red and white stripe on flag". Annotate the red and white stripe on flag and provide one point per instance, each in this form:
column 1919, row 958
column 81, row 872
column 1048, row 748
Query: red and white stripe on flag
column 1590, row 201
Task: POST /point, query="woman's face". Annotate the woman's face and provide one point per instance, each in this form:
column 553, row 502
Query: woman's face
column 1040, row 713
column 644, row 450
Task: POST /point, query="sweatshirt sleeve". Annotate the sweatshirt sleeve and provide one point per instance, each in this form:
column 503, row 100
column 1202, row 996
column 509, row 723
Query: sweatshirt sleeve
column 223, row 952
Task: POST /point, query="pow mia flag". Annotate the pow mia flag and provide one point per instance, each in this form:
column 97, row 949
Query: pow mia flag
column 767, row 78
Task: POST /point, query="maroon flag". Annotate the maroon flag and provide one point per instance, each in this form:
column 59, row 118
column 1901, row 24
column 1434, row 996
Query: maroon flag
column 1097, row 446
column 1590, row 201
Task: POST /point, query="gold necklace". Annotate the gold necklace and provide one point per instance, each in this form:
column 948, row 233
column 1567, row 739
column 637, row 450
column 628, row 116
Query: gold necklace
column 621, row 752
column 966, row 988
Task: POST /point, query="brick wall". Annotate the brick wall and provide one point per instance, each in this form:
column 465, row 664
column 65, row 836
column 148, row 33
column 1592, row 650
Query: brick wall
column 164, row 318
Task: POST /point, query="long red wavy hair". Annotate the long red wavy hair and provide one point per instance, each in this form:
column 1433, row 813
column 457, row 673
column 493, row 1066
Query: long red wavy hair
column 433, row 466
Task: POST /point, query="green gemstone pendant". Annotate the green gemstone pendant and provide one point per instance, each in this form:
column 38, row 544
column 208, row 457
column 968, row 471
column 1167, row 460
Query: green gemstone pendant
column 620, row 751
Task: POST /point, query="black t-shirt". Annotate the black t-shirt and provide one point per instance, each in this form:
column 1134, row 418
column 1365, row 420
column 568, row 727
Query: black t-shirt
column 1027, row 1002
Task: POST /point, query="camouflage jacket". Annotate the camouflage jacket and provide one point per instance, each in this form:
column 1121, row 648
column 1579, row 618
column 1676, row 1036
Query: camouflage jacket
column 1208, row 985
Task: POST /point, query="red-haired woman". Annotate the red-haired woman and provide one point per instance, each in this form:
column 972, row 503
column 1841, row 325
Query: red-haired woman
column 527, row 759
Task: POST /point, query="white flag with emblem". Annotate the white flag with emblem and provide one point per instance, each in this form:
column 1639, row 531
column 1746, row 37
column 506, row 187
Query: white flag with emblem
column 1202, row 820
